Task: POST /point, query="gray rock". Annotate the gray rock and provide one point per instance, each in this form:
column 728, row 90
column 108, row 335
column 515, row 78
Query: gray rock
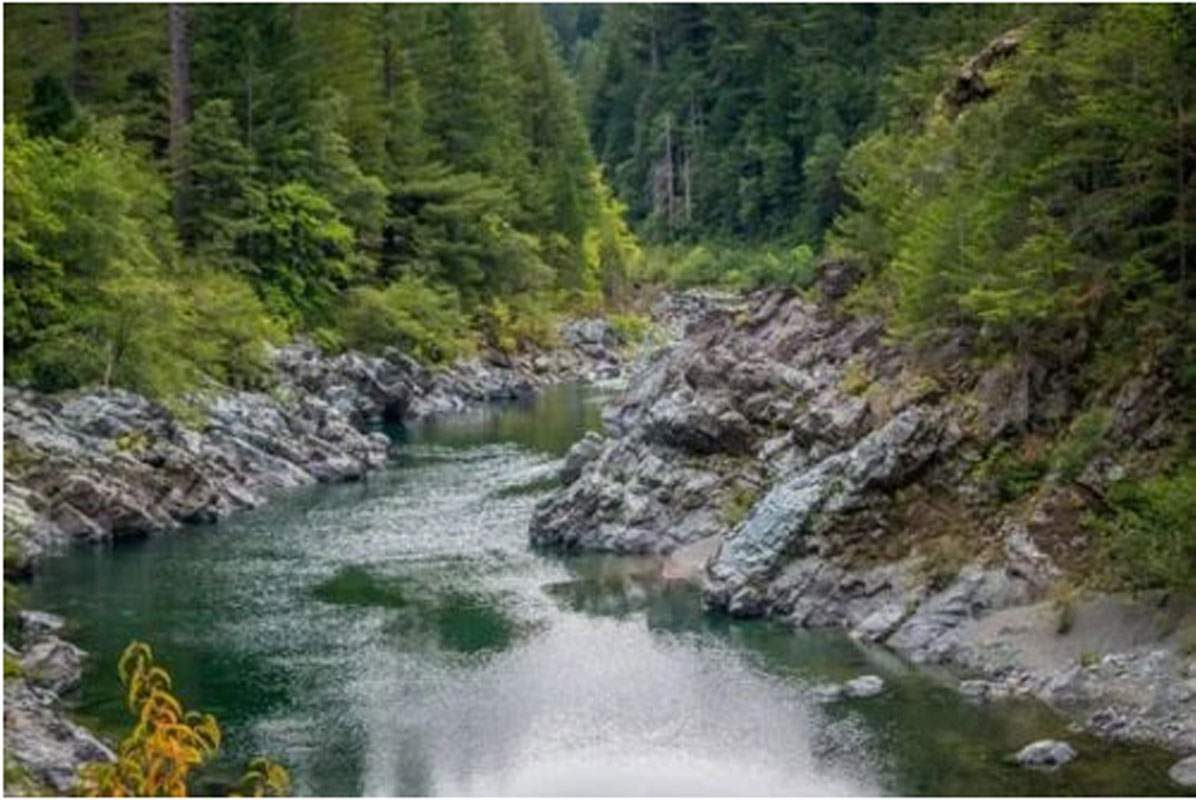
column 981, row 691
column 37, row 625
column 828, row 692
column 881, row 622
column 53, row 664
column 863, row 686
column 1045, row 754
column 1183, row 772
column 581, row 453
column 794, row 508
column 43, row 740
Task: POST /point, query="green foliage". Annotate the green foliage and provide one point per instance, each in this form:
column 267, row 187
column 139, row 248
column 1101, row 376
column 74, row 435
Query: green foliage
column 231, row 327
column 856, row 380
column 1150, row 532
column 733, row 267
column 1063, row 201
column 411, row 314
column 299, row 251
column 1012, row 472
column 520, row 324
column 330, row 150
column 631, row 328
column 730, row 121
column 95, row 290
column 88, row 247
column 12, row 667
column 225, row 192
column 738, row 503
column 1083, row 441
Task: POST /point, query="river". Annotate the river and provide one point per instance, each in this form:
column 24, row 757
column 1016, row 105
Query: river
column 398, row 636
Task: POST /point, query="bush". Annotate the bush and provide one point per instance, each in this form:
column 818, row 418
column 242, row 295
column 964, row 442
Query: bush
column 1012, row 473
column 519, row 323
column 412, row 314
column 630, row 328
column 734, row 267
column 166, row 743
column 1150, row 533
column 231, row 329
column 1083, row 442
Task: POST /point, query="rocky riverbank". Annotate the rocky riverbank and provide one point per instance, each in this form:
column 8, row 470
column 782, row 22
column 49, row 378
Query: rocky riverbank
column 798, row 465
column 96, row 465
column 110, row 463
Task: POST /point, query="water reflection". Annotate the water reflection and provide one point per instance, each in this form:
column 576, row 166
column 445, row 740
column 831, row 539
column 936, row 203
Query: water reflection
column 398, row 636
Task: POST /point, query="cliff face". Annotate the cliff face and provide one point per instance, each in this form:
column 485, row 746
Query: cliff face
column 833, row 479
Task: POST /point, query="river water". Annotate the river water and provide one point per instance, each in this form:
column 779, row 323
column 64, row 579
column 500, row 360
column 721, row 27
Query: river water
column 398, row 636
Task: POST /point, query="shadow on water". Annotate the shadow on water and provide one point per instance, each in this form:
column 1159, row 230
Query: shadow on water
column 453, row 621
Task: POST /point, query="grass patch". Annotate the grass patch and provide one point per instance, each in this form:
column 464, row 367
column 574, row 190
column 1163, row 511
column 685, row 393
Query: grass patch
column 738, row 503
column 12, row 667
column 855, row 380
column 1083, row 441
column 1012, row 472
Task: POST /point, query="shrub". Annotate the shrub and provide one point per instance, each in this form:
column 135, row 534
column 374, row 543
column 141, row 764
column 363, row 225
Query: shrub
column 856, row 380
column 166, row 743
column 411, row 314
column 943, row 559
column 231, row 328
column 1010, row 473
column 631, row 328
column 1150, row 532
column 738, row 504
column 1083, row 441
column 519, row 323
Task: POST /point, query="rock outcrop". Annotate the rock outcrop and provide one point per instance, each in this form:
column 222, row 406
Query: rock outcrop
column 110, row 463
column 39, row 735
column 835, row 479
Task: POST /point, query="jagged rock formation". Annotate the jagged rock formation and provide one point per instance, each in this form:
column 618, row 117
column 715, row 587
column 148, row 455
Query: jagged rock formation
column 838, row 480
column 91, row 465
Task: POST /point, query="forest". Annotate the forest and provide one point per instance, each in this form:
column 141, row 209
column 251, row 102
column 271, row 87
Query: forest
column 933, row 272
column 184, row 183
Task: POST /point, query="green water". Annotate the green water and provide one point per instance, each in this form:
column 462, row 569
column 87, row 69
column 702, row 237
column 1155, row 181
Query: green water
column 398, row 636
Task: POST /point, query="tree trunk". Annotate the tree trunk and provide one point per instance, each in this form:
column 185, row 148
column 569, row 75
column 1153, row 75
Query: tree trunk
column 75, row 34
column 179, row 106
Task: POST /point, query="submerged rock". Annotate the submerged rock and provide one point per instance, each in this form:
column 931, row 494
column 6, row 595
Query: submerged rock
column 1183, row 772
column 1047, row 754
column 863, row 686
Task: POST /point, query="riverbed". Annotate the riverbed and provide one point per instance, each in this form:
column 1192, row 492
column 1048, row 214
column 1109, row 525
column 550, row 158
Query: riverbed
column 398, row 636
